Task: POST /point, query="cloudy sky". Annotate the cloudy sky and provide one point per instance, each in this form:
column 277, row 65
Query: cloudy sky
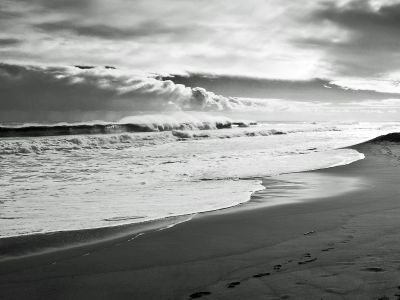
column 336, row 59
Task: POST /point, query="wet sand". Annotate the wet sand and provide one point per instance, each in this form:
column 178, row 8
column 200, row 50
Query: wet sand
column 343, row 245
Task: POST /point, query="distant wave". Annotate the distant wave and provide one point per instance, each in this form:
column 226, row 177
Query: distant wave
column 78, row 129
column 154, row 130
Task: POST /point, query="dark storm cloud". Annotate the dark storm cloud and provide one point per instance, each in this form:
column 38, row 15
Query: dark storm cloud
column 150, row 28
column 31, row 93
column 307, row 90
column 361, row 16
column 6, row 14
column 59, row 6
column 9, row 42
column 64, row 4
column 371, row 42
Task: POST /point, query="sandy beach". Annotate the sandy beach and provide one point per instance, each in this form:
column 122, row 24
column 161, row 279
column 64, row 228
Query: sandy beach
column 212, row 150
column 344, row 245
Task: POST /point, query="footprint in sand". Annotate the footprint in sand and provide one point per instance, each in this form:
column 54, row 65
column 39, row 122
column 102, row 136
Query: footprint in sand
column 327, row 249
column 374, row 269
column 233, row 284
column 199, row 295
column 348, row 239
column 329, row 275
column 309, row 232
column 307, row 261
column 261, row 275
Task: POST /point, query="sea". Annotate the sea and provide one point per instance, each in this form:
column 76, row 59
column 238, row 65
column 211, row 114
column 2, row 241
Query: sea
column 75, row 176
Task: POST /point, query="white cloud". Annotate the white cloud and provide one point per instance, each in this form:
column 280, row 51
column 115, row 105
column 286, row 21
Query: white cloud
column 247, row 38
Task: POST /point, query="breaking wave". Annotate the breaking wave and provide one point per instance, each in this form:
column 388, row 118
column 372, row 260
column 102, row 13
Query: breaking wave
column 138, row 131
column 130, row 140
column 146, row 123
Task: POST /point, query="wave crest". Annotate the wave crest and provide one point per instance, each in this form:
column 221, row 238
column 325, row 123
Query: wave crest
column 145, row 123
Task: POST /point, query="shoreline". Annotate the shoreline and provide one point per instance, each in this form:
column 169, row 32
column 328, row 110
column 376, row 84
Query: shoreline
column 341, row 246
column 14, row 247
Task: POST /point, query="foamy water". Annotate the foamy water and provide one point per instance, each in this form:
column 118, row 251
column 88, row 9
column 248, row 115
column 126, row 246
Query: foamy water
column 88, row 181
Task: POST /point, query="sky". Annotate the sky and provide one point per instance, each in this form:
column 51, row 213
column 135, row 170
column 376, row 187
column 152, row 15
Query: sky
column 262, row 59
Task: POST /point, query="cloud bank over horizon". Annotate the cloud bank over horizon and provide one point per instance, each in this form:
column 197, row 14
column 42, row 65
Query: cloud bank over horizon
column 32, row 93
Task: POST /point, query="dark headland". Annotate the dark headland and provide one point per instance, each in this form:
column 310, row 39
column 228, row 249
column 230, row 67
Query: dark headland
column 343, row 246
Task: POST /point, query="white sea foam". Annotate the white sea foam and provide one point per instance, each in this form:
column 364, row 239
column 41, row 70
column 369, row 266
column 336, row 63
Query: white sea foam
column 194, row 120
column 86, row 181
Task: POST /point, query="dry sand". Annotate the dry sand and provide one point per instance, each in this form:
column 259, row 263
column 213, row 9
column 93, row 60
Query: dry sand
column 345, row 246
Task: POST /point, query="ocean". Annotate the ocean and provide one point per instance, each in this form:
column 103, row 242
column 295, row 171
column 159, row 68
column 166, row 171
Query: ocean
column 64, row 177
